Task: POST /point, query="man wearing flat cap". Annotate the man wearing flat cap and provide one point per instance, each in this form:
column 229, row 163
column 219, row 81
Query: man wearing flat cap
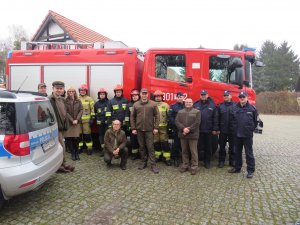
column 172, row 113
column 224, row 111
column 244, row 118
column 58, row 104
column 42, row 88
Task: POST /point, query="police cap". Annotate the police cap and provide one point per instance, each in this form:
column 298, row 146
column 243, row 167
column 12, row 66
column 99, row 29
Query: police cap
column 226, row 93
column 203, row 92
column 178, row 94
column 243, row 94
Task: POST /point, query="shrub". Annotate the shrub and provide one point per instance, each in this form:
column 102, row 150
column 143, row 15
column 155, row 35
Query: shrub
column 278, row 103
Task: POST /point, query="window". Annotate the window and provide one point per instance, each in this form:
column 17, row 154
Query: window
column 170, row 67
column 7, row 118
column 220, row 70
column 35, row 116
column 24, row 117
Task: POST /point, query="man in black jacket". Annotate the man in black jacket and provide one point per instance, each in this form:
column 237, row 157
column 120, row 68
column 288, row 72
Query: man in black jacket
column 226, row 135
column 172, row 113
column 209, row 125
column 244, row 123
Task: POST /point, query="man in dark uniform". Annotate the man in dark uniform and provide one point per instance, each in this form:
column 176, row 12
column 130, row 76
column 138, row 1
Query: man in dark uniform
column 224, row 111
column 100, row 110
column 135, row 96
column 244, row 118
column 176, row 147
column 209, row 125
column 116, row 107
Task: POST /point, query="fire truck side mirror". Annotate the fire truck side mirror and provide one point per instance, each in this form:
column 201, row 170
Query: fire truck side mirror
column 259, row 64
column 239, row 76
column 189, row 79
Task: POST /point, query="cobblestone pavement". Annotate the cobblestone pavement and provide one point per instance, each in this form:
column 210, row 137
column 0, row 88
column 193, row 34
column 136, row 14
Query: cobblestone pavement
column 97, row 195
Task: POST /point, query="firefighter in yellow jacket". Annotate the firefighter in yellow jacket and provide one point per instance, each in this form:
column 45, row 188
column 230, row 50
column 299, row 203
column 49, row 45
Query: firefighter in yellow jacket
column 87, row 119
column 161, row 144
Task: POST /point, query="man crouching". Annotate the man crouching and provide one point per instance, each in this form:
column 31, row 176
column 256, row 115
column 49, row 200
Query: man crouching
column 115, row 145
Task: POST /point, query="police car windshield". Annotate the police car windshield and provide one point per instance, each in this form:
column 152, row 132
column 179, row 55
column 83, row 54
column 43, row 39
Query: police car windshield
column 24, row 117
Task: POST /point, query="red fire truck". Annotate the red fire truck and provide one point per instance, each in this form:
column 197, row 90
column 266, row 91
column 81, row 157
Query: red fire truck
column 170, row 70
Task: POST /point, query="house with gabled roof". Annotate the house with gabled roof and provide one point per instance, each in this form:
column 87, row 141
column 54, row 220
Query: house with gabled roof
column 56, row 29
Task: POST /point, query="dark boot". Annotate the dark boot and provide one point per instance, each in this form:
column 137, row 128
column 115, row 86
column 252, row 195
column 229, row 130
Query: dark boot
column 176, row 162
column 101, row 153
column 77, row 155
column 89, row 151
column 168, row 162
column 134, row 156
column 73, row 155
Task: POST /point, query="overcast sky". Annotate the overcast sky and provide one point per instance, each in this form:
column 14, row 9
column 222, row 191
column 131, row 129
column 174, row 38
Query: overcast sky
column 168, row 23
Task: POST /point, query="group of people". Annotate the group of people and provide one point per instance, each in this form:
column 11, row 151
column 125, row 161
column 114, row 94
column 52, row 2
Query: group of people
column 150, row 124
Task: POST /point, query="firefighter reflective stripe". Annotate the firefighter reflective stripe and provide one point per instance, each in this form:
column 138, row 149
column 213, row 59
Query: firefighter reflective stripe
column 80, row 144
column 85, row 103
column 115, row 107
column 108, row 114
column 99, row 110
column 124, row 106
column 157, row 154
column 89, row 144
column 126, row 118
column 167, row 155
column 98, row 122
column 85, row 117
column 92, row 103
column 163, row 124
column 134, row 151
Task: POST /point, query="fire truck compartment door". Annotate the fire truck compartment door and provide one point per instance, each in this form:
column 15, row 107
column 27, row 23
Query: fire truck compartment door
column 105, row 76
column 28, row 75
column 71, row 75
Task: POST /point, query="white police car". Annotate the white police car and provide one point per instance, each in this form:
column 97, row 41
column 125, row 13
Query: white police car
column 29, row 149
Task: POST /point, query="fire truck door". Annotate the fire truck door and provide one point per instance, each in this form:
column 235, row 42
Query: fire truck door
column 105, row 76
column 170, row 76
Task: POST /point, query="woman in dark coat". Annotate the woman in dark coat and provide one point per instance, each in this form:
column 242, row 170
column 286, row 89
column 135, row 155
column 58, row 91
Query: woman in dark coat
column 74, row 113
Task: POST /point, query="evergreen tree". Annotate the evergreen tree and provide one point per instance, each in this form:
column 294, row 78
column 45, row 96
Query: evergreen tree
column 281, row 71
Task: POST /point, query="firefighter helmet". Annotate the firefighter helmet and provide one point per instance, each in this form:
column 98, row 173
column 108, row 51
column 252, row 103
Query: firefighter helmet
column 118, row 87
column 134, row 92
column 102, row 90
column 158, row 93
column 83, row 87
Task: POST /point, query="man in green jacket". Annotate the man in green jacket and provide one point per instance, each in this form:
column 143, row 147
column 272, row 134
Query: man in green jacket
column 144, row 120
column 115, row 145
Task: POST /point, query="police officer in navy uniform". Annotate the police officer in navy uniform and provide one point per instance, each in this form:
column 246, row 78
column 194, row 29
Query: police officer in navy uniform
column 209, row 125
column 176, row 147
column 226, row 135
column 244, row 118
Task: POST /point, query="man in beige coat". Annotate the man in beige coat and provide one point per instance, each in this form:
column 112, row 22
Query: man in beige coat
column 188, row 122
column 144, row 120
